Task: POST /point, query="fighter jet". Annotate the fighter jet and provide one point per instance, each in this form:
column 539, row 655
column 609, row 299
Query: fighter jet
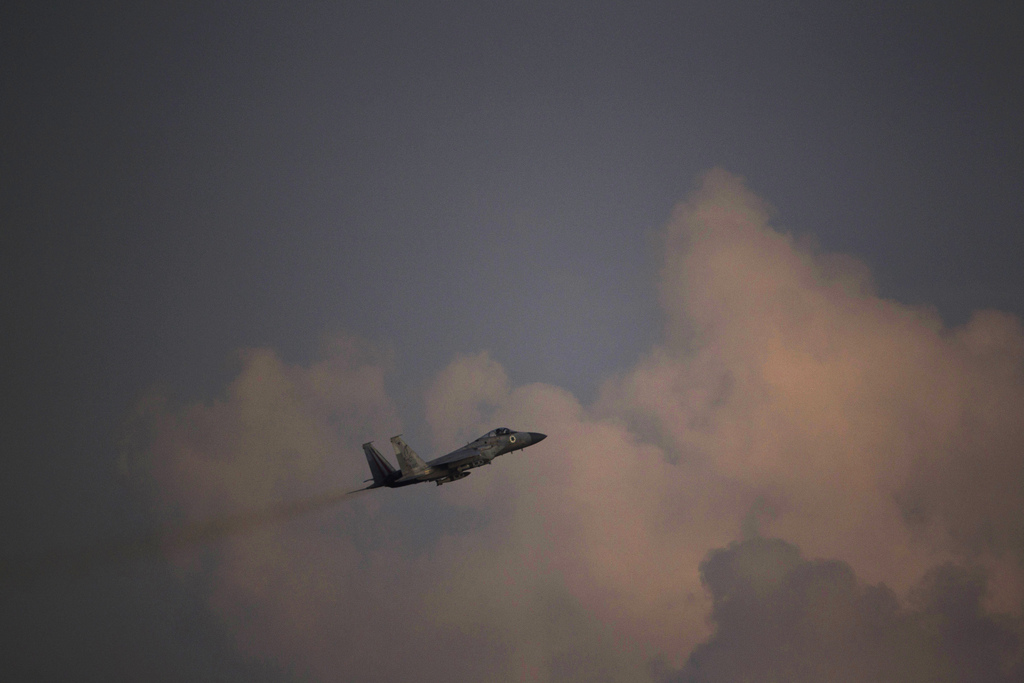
column 451, row 467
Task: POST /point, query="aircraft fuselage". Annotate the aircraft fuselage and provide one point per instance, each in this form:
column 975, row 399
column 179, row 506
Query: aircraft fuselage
column 451, row 467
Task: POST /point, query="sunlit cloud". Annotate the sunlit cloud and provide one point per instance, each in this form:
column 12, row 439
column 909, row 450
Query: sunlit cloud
column 786, row 400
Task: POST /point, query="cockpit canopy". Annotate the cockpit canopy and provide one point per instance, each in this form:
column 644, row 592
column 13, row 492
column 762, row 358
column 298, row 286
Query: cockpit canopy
column 500, row 431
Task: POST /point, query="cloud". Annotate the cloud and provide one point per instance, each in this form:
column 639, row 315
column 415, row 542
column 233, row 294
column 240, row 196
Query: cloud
column 779, row 616
column 787, row 399
column 461, row 393
column 851, row 416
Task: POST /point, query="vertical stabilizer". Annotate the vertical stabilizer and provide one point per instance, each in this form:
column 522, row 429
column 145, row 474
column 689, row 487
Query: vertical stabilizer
column 412, row 465
column 380, row 468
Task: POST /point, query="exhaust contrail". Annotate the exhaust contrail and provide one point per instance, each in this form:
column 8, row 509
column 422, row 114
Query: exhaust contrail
column 156, row 543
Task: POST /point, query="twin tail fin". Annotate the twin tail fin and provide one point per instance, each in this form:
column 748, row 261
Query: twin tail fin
column 382, row 471
column 412, row 465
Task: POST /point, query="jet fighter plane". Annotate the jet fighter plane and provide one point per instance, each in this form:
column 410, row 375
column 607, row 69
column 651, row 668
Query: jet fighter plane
column 451, row 467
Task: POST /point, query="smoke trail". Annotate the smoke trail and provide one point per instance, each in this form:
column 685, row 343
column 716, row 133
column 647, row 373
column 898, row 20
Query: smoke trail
column 156, row 543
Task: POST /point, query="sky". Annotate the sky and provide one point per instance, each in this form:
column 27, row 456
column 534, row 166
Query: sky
column 753, row 268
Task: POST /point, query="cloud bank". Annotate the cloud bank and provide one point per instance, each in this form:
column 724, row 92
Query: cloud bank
column 779, row 616
column 786, row 401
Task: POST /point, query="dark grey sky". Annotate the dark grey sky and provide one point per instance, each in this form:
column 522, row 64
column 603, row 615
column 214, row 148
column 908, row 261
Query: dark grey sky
column 440, row 179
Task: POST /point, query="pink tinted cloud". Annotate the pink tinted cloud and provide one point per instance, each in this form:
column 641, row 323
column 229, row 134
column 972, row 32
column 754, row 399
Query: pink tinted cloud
column 875, row 434
column 786, row 397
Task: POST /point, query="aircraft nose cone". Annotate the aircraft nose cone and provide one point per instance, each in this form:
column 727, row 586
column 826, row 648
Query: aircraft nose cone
column 537, row 437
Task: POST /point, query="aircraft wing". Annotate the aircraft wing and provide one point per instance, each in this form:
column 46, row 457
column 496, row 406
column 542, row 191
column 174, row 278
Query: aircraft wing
column 455, row 457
